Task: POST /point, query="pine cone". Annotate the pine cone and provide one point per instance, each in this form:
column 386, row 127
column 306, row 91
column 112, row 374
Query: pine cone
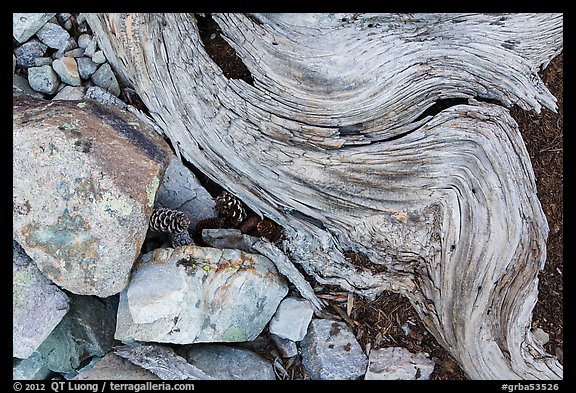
column 249, row 224
column 167, row 220
column 230, row 208
column 180, row 239
column 266, row 228
column 209, row 223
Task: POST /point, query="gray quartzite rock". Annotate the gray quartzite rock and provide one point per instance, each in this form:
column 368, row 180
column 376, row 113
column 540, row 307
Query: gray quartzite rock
column 199, row 294
column 84, row 40
column 396, row 363
column 229, row 363
column 180, row 190
column 291, row 319
column 53, row 35
column 86, row 67
column 114, row 367
column 105, row 78
column 27, row 53
column 37, row 305
column 102, row 96
column 330, row 351
column 67, row 70
column 43, row 79
column 70, row 93
column 98, row 57
column 87, row 330
column 85, row 178
column 25, row 25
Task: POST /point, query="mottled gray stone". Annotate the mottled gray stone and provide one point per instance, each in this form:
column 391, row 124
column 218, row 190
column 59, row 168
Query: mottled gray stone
column 114, row 367
column 67, row 70
column 87, row 330
column 287, row 348
column 25, row 25
column 104, row 97
column 31, row 368
column 70, row 93
column 53, row 35
column 86, row 67
column 77, row 52
column 229, row 363
column 69, row 46
column 41, row 61
column 394, row 363
column 27, row 53
column 37, row 304
column 181, row 190
column 292, row 318
column 82, row 199
column 228, row 238
column 330, row 351
column 98, row 57
column 199, row 294
column 84, row 40
column 91, row 47
column 43, row 79
column 105, row 78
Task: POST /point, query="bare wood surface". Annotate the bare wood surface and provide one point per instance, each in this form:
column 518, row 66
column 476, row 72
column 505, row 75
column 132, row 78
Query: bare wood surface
column 332, row 141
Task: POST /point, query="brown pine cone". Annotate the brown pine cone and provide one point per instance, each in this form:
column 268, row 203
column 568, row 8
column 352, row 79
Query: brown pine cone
column 180, row 239
column 230, row 208
column 209, row 223
column 249, row 224
column 265, row 228
column 168, row 220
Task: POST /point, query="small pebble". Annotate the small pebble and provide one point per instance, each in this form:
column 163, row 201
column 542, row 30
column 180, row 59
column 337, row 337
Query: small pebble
column 77, row 52
column 98, row 57
column 43, row 79
column 40, row 61
column 86, row 67
column 70, row 93
column 28, row 52
column 67, row 69
column 53, row 35
column 105, row 78
column 84, row 40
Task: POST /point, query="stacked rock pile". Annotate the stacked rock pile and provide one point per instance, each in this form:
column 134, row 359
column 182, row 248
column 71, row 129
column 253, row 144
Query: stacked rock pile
column 57, row 57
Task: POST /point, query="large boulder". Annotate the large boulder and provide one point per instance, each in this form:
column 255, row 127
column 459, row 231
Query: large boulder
column 85, row 178
column 199, row 294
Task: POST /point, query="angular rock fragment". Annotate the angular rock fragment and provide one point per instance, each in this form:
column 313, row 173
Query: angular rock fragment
column 105, row 78
column 198, row 294
column 84, row 181
column 25, row 25
column 181, row 190
column 291, row 319
column 28, row 52
column 31, row 368
column 395, row 363
column 43, row 79
column 37, row 305
column 53, row 35
column 287, row 348
column 86, row 331
column 229, row 363
column 330, row 351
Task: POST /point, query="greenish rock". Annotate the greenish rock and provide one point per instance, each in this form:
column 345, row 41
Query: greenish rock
column 86, row 331
column 31, row 368
column 196, row 294
column 37, row 305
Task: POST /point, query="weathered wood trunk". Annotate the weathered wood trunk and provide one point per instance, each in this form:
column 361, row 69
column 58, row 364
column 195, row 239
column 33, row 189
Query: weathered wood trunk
column 335, row 137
